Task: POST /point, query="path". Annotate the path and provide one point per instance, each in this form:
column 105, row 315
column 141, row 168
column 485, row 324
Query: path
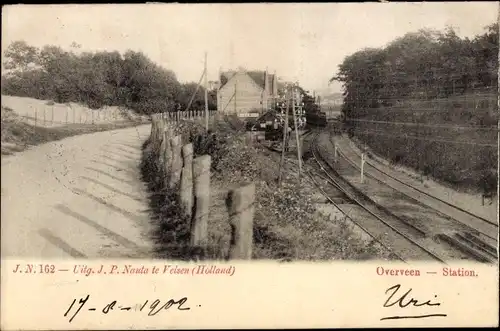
column 79, row 197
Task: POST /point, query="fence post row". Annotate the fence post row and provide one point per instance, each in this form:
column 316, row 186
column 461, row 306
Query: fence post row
column 240, row 204
column 201, row 176
column 177, row 164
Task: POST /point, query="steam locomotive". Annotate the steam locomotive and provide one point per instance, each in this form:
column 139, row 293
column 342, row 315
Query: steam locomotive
column 316, row 119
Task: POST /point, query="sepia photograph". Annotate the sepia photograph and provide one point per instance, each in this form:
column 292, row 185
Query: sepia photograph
column 253, row 132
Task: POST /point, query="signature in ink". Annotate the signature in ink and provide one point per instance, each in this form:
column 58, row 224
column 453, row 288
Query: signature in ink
column 396, row 299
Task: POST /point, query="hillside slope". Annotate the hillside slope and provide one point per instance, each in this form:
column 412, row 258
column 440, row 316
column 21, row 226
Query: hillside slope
column 27, row 122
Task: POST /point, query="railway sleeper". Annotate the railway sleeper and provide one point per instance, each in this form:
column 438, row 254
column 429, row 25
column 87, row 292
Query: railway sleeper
column 464, row 247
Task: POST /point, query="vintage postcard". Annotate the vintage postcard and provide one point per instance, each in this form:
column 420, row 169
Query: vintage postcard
column 266, row 165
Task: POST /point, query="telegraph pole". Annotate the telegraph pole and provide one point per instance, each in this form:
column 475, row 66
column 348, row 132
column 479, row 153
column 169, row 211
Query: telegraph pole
column 285, row 133
column 206, row 94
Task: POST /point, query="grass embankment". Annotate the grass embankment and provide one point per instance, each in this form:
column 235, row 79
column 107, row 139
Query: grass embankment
column 287, row 225
column 17, row 135
column 452, row 152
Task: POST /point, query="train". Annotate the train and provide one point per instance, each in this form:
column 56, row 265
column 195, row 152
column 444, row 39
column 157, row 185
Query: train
column 316, row 119
column 271, row 123
column 319, row 120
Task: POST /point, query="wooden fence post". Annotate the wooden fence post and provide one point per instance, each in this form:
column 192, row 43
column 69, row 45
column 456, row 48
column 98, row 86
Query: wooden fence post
column 154, row 124
column 167, row 152
column 160, row 130
column 187, row 179
column 161, row 153
column 176, row 165
column 241, row 209
column 201, row 176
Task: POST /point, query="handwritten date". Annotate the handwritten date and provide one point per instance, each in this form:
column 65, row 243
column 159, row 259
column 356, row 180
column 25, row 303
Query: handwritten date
column 152, row 308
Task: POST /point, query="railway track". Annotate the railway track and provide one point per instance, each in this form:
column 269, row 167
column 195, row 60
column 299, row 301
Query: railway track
column 473, row 233
column 315, row 177
column 390, row 232
column 393, row 232
column 401, row 246
column 493, row 225
column 423, row 221
column 345, row 211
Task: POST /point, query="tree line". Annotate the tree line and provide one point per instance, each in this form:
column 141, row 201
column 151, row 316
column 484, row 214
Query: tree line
column 97, row 79
column 422, row 79
column 425, row 64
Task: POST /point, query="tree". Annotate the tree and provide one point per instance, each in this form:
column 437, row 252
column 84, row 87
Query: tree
column 19, row 57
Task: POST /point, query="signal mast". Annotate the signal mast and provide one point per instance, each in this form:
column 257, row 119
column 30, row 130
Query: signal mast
column 293, row 97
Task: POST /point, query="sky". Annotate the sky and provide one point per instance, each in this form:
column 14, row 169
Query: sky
column 300, row 42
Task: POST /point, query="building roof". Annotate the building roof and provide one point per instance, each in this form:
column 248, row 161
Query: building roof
column 257, row 76
column 267, row 116
column 225, row 76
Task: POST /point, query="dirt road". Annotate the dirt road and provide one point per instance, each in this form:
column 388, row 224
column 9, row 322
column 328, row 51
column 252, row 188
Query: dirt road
column 80, row 197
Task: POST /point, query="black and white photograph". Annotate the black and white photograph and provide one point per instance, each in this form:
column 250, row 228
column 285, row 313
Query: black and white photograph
column 251, row 132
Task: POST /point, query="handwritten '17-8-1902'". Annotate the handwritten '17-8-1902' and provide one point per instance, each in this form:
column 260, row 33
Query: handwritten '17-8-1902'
column 153, row 308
